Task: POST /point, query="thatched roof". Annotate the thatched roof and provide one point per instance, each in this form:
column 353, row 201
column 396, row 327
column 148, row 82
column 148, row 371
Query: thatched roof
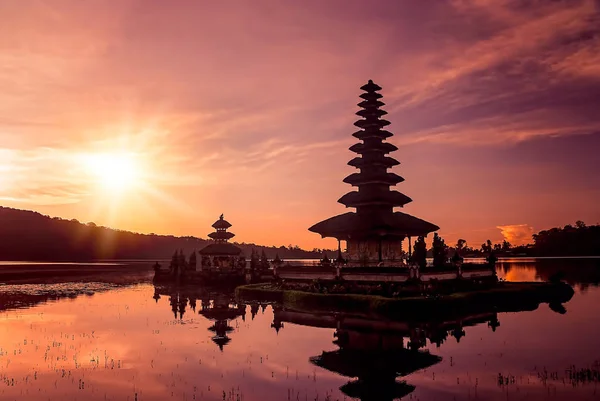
column 352, row 225
column 220, row 248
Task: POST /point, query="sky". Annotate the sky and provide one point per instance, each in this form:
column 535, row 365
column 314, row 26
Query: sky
column 158, row 116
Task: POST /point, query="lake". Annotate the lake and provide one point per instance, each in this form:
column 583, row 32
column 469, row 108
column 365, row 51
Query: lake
column 103, row 341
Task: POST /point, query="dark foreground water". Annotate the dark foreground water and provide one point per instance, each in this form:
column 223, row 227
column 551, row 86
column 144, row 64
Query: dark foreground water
column 103, row 342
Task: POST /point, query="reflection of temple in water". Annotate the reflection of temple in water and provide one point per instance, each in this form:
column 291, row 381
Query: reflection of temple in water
column 221, row 311
column 375, row 352
column 217, row 307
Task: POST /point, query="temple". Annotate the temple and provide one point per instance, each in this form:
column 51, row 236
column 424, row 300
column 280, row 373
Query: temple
column 374, row 233
column 221, row 262
column 221, row 311
column 221, row 254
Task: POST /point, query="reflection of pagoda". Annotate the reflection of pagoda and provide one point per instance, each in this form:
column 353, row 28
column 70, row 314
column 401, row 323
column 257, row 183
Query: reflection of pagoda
column 375, row 232
column 376, row 360
column 221, row 311
column 374, row 351
column 215, row 306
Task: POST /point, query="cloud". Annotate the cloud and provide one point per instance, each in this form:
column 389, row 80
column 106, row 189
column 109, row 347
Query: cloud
column 517, row 234
column 262, row 95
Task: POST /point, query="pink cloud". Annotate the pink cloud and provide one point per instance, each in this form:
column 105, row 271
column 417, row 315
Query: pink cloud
column 517, row 234
column 261, row 96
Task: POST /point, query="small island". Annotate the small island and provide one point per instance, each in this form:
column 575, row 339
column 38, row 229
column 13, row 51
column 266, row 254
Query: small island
column 375, row 274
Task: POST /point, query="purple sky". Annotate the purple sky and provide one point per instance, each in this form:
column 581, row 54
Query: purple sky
column 247, row 110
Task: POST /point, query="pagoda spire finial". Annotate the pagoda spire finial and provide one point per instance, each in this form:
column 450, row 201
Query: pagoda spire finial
column 221, row 217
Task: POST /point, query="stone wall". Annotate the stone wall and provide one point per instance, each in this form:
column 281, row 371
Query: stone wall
column 402, row 275
column 359, row 250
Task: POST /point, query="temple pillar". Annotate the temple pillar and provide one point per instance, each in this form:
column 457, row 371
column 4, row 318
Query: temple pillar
column 409, row 247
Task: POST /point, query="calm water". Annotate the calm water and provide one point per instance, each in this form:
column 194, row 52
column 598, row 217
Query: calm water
column 103, row 342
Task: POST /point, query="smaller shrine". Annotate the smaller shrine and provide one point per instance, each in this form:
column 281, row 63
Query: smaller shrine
column 221, row 255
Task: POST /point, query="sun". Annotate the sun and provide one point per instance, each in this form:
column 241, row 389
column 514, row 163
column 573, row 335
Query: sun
column 115, row 171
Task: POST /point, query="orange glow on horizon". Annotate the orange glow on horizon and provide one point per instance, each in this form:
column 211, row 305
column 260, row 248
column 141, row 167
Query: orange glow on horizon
column 192, row 114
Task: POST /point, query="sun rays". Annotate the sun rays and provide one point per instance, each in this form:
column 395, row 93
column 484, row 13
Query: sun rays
column 116, row 172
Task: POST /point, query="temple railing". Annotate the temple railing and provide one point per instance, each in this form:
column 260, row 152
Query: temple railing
column 384, row 273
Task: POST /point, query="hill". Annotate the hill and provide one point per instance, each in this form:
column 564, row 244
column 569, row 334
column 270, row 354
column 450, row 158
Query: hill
column 30, row 236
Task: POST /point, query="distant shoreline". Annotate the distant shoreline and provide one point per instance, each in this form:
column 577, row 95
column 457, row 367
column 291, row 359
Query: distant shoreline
column 120, row 262
column 55, row 272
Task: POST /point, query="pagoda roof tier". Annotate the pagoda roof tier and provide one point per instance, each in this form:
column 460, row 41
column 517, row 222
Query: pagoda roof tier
column 220, row 313
column 372, row 103
column 220, row 249
column 355, row 226
column 360, row 162
column 387, row 198
column 372, row 133
column 376, row 178
column 361, row 364
column 370, row 86
column 371, row 112
column 371, row 123
column 371, row 96
column 221, row 341
column 224, row 235
column 364, row 390
column 384, row 147
column 221, row 223
column 215, row 328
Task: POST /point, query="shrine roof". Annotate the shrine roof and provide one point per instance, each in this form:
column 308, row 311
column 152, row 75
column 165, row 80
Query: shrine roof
column 220, row 249
column 221, row 235
column 354, row 225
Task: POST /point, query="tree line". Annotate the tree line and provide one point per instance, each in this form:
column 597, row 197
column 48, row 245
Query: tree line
column 570, row 240
column 31, row 236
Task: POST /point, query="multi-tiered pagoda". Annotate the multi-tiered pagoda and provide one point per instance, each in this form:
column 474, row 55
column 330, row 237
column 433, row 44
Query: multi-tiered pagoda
column 374, row 233
column 221, row 254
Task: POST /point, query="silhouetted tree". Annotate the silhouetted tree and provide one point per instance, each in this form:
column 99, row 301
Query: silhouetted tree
column 264, row 262
column 181, row 260
column 192, row 262
column 460, row 244
column 440, row 251
column 419, row 255
column 486, row 247
column 174, row 262
column 506, row 246
column 581, row 240
column 254, row 261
